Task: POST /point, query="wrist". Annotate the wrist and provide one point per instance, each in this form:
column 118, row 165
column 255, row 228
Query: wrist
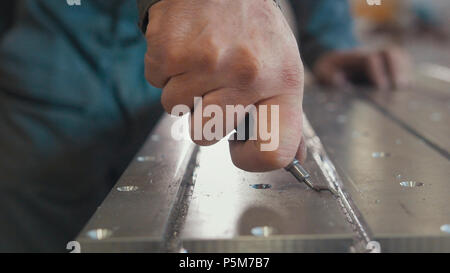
column 145, row 5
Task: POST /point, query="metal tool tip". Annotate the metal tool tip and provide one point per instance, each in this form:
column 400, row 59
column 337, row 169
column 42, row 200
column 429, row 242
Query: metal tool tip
column 307, row 181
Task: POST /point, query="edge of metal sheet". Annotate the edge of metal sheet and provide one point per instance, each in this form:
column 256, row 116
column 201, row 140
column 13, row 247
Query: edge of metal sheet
column 129, row 221
column 336, row 243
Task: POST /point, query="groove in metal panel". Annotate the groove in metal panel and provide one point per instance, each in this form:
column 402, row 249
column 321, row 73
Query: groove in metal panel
column 327, row 167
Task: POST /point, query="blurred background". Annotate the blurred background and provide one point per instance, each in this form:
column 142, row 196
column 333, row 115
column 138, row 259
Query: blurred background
column 404, row 18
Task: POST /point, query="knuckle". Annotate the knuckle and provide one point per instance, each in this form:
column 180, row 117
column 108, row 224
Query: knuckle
column 173, row 57
column 245, row 66
column 173, row 54
column 209, row 55
column 150, row 67
column 292, row 75
column 167, row 101
column 150, row 80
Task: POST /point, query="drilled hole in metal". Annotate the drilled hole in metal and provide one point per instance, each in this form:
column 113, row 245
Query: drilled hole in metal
column 127, row 188
column 411, row 184
column 99, row 234
column 380, row 154
column 263, row 231
column 145, row 158
column 261, row 186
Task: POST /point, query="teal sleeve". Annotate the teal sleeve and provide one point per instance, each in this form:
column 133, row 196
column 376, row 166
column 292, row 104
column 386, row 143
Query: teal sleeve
column 6, row 15
column 324, row 25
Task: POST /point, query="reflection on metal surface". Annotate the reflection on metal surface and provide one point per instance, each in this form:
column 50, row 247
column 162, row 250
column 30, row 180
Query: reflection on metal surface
column 435, row 71
column 183, row 250
column 445, row 228
column 356, row 134
column 99, row 234
column 341, row 119
column 436, row 117
column 155, row 138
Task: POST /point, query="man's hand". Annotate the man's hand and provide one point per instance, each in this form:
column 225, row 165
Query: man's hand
column 388, row 68
column 230, row 53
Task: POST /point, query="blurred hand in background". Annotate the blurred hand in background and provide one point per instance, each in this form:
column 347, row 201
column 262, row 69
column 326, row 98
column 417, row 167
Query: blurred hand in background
column 388, row 68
